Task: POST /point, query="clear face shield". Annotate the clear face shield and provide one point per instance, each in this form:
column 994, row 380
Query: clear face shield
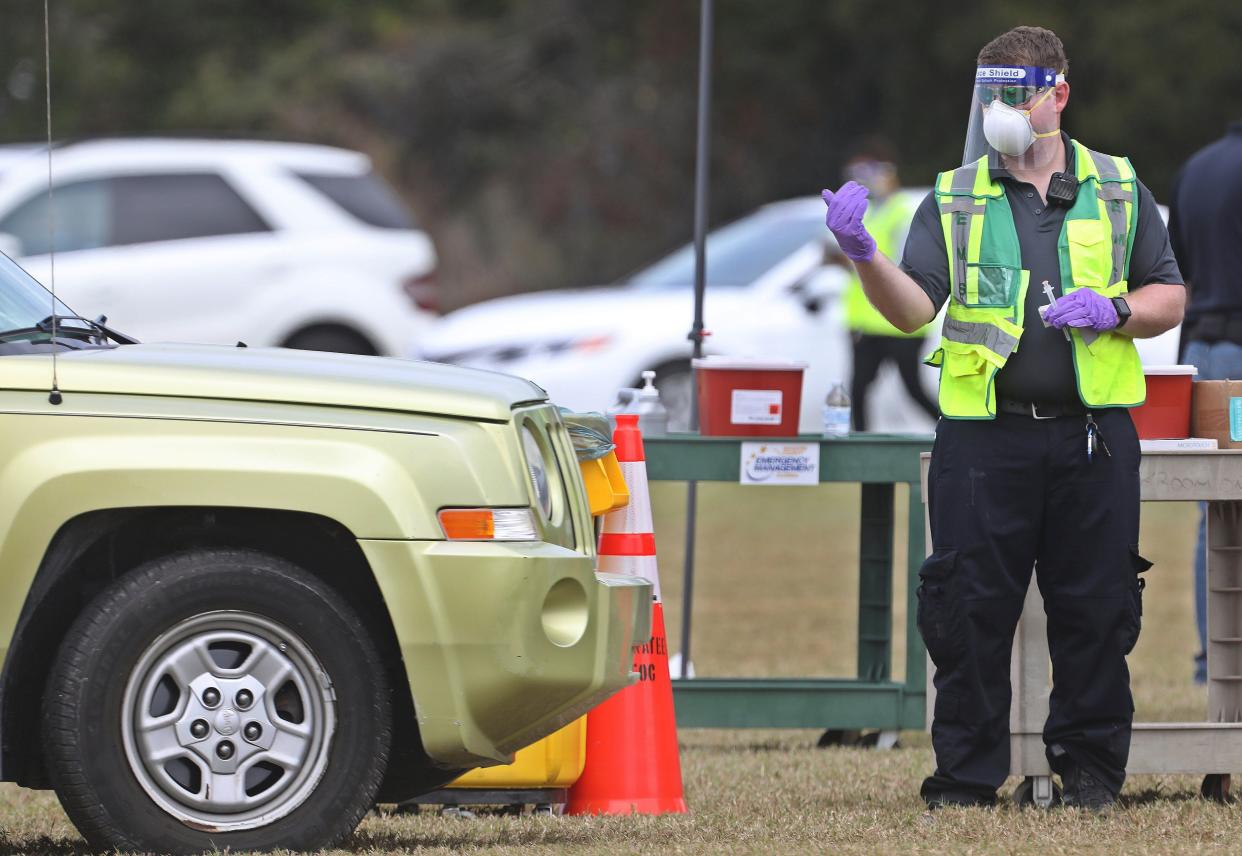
column 1013, row 116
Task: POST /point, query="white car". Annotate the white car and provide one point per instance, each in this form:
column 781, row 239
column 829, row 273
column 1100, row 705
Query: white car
column 217, row 241
column 771, row 293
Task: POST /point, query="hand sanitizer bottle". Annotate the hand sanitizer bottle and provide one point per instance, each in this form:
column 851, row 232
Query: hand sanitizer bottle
column 652, row 414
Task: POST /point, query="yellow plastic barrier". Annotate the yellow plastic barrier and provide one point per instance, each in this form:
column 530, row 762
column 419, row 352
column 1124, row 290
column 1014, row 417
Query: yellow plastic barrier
column 556, row 761
column 605, row 486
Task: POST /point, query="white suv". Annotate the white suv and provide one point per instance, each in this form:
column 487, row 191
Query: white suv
column 223, row 241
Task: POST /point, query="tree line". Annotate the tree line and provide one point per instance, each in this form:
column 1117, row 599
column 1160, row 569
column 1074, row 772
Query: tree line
column 550, row 143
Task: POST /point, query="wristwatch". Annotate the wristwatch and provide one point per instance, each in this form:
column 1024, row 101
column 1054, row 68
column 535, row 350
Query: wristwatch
column 1123, row 310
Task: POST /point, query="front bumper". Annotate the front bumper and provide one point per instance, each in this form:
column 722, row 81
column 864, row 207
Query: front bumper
column 505, row 642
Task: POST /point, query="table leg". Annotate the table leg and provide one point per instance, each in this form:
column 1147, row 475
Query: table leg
column 1224, row 580
column 918, row 539
column 875, row 583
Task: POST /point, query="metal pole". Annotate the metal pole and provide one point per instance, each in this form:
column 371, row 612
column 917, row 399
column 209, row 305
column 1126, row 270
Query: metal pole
column 702, row 157
column 687, row 586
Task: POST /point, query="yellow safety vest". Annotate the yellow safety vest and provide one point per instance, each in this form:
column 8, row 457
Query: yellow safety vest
column 887, row 223
column 988, row 284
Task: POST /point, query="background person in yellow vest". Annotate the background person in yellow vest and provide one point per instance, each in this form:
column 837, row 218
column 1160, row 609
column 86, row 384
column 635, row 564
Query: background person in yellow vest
column 876, row 341
column 1036, row 457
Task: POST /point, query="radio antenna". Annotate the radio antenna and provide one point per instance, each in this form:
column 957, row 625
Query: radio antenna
column 54, row 396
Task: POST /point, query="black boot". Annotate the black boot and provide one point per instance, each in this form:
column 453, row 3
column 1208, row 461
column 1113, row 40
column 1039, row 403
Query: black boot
column 1081, row 789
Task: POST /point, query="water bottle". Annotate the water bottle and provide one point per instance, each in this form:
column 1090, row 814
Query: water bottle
column 837, row 412
column 652, row 415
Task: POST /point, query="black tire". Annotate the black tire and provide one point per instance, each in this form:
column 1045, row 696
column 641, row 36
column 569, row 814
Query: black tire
column 1215, row 787
column 837, row 737
column 101, row 785
column 337, row 340
column 870, row 739
column 851, row 738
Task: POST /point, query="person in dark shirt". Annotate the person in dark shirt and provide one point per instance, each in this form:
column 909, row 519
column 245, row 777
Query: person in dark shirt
column 1052, row 259
column 1205, row 224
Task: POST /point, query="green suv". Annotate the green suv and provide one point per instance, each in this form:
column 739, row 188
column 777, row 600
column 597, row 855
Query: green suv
column 247, row 593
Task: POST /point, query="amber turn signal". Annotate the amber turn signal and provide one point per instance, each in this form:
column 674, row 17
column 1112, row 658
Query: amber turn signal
column 488, row 524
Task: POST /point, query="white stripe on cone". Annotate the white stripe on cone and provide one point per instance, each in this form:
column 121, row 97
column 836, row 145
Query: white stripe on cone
column 636, row 516
column 633, row 519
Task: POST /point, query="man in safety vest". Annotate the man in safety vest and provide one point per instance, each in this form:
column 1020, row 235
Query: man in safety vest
column 876, row 341
column 1053, row 258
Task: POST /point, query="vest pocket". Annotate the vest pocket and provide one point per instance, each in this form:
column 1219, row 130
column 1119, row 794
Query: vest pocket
column 1090, row 257
column 1110, row 373
column 963, row 364
column 991, row 286
column 971, row 372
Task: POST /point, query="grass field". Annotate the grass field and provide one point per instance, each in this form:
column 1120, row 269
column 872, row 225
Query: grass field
column 775, row 595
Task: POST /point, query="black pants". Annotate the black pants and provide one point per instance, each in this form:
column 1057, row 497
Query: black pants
column 1005, row 496
column 871, row 352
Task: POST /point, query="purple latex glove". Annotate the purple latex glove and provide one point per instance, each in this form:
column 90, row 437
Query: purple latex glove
column 1083, row 308
column 846, row 208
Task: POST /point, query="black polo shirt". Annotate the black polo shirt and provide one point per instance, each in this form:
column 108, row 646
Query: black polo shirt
column 1042, row 368
column 1205, row 223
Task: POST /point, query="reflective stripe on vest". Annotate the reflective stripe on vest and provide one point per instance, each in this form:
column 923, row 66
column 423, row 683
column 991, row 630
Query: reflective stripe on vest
column 988, row 283
column 1113, row 196
column 989, row 336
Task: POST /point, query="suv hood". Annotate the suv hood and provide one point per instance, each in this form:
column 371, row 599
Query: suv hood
column 276, row 375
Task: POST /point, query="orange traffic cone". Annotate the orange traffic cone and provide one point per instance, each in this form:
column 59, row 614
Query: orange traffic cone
column 632, row 765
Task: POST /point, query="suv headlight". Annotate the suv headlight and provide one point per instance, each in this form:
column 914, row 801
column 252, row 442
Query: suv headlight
column 488, row 524
column 537, row 466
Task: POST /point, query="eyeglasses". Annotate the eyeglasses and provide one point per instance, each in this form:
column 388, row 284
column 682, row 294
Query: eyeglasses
column 1014, row 96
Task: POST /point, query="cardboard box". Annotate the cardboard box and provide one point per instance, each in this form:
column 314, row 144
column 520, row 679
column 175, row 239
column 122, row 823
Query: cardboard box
column 1209, row 410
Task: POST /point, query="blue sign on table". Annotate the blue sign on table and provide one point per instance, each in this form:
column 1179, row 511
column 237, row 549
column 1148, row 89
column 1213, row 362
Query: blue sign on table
column 1235, row 420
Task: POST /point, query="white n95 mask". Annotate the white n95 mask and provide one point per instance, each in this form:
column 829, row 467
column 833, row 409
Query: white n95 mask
column 1008, row 129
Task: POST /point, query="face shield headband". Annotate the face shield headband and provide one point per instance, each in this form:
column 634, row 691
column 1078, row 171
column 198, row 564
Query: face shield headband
column 1013, row 85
